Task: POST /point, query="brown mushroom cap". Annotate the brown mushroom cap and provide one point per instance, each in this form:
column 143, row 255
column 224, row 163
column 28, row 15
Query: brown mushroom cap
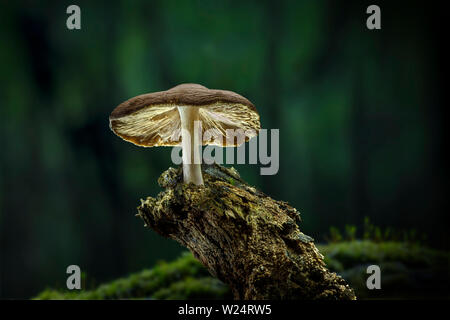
column 153, row 119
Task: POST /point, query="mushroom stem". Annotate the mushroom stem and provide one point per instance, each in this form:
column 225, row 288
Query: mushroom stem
column 190, row 138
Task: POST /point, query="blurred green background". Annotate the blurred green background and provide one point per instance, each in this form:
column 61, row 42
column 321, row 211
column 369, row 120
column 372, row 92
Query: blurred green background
column 360, row 115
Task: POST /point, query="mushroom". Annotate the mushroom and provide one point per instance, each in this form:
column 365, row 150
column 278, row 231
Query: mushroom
column 168, row 118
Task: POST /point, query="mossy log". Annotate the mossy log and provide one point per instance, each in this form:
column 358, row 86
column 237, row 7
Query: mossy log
column 243, row 237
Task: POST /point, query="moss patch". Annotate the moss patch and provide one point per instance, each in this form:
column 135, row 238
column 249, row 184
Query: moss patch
column 408, row 271
column 183, row 278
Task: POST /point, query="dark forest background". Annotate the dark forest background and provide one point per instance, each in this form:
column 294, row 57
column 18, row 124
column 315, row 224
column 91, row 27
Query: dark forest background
column 360, row 114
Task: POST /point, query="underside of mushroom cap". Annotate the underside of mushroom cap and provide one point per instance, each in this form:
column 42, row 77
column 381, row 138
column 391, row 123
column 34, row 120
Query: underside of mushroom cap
column 153, row 119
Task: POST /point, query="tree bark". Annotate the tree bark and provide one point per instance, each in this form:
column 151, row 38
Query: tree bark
column 243, row 237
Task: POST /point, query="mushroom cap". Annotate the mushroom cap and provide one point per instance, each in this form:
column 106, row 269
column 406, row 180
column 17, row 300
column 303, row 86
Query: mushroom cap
column 153, row 119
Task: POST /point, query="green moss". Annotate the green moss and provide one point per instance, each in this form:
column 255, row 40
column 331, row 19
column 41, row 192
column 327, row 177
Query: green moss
column 408, row 271
column 350, row 253
column 374, row 233
column 192, row 288
column 148, row 283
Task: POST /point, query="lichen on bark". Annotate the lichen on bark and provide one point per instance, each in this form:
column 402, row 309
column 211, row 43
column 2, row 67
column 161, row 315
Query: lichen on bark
column 242, row 236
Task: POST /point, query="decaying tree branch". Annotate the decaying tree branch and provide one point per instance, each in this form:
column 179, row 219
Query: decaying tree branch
column 245, row 238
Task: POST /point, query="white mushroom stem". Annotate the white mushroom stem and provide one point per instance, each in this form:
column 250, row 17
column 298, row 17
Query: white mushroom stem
column 190, row 144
